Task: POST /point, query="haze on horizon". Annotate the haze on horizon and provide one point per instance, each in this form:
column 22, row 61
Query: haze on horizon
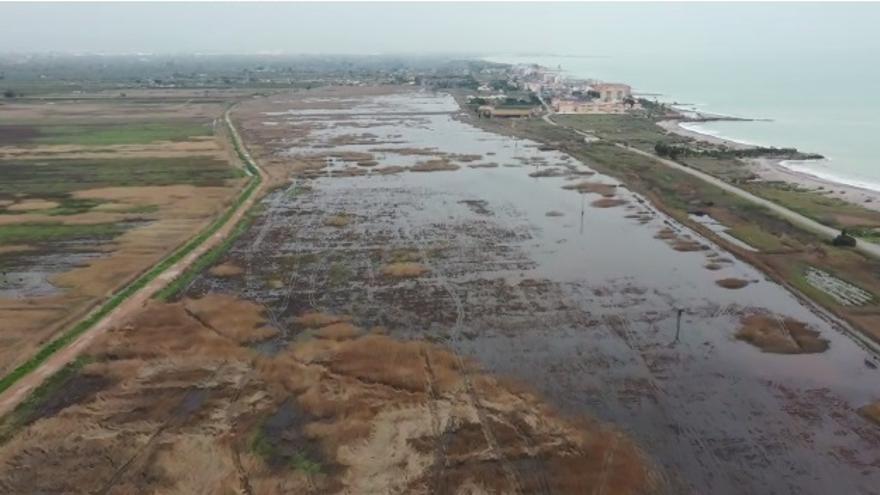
column 466, row 28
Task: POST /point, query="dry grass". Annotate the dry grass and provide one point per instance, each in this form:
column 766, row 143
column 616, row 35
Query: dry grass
column 688, row 245
column 713, row 266
column 437, row 165
column 871, row 412
column 666, row 234
column 781, row 335
column 391, row 169
column 366, row 412
column 32, row 205
column 483, row 165
column 338, row 331
column 316, row 320
column 226, row 270
column 341, row 220
column 404, row 269
column 236, row 319
column 367, row 163
column 732, row 283
column 608, row 202
column 606, row 190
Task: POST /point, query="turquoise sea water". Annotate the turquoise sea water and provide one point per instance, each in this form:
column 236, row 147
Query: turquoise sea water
column 821, row 101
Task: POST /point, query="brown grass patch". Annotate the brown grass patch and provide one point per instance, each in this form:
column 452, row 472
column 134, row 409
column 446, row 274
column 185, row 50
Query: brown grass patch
column 234, row 318
column 409, row 151
column 608, row 202
column 666, row 233
column 341, row 220
column 365, row 412
column 338, row 331
column 367, row 163
column 391, row 169
column 226, row 270
column 465, row 158
column 781, row 335
column 732, row 283
column 484, row 165
column 871, row 412
column 16, row 248
column 32, row 205
column 606, row 190
column 713, row 266
column 434, row 166
column 315, row 320
column 688, row 245
column 404, row 269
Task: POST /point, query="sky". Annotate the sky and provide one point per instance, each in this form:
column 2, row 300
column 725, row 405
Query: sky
column 467, row 28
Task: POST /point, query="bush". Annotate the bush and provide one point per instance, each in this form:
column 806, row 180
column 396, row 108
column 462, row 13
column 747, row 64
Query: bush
column 844, row 240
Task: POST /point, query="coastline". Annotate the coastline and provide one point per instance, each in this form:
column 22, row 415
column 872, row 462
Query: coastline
column 769, row 169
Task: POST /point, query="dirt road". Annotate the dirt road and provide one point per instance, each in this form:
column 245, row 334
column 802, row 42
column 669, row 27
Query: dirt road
column 20, row 390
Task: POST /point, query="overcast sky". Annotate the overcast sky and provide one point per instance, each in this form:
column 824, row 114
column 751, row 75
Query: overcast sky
column 486, row 28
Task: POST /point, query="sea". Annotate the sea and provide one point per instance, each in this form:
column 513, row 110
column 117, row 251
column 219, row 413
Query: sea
column 818, row 102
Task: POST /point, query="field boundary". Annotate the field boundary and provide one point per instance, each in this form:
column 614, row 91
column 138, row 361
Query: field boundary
column 185, row 256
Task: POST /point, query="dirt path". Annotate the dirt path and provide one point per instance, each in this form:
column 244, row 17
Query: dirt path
column 22, row 388
column 792, row 216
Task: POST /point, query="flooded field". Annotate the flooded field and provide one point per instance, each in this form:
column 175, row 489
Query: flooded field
column 534, row 267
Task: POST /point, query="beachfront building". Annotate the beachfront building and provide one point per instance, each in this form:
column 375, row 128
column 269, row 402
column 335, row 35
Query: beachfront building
column 566, row 106
column 612, row 92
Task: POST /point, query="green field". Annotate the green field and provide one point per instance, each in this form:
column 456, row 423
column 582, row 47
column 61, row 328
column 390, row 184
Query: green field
column 120, row 133
column 638, row 132
column 40, row 232
column 56, row 177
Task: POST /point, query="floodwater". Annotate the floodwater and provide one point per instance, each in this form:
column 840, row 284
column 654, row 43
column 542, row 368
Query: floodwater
column 30, row 274
column 582, row 307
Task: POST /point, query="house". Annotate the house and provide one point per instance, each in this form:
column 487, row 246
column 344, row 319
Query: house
column 612, row 92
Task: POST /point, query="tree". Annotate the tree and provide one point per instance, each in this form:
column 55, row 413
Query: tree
column 9, row 93
column 629, row 101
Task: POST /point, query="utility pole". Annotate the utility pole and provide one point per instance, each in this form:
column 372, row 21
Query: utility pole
column 678, row 323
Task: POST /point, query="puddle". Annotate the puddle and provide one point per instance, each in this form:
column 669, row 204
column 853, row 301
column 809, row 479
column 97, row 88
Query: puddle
column 29, row 274
column 582, row 305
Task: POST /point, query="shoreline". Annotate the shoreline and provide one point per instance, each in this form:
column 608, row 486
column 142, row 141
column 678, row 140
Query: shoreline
column 773, row 169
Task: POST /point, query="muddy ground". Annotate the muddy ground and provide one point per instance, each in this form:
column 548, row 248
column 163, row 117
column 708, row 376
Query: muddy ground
column 486, row 328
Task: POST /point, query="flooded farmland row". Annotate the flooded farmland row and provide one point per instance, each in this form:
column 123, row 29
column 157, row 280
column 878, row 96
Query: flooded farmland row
column 536, row 268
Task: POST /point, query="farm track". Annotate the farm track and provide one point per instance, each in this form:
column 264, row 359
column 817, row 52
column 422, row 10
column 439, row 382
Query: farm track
column 21, row 388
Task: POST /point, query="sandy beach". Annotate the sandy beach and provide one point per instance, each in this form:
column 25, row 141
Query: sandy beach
column 769, row 169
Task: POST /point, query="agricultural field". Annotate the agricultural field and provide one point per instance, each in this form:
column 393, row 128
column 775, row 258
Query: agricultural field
column 94, row 191
column 420, row 305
